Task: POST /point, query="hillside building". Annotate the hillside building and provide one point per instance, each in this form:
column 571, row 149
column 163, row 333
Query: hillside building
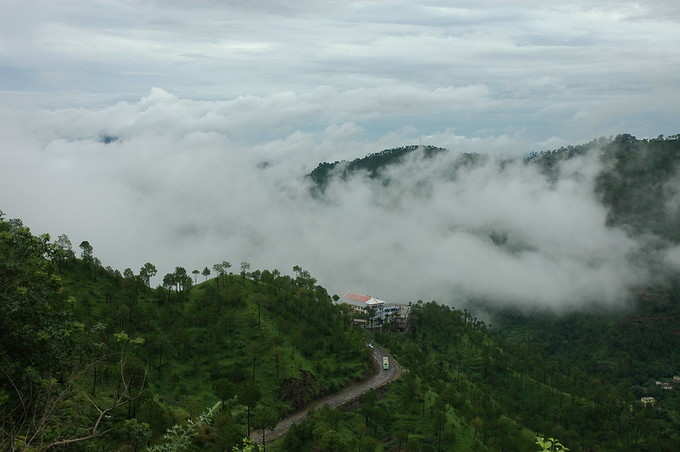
column 376, row 312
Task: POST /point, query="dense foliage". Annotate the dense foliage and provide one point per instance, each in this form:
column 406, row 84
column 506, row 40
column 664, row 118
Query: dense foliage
column 576, row 376
column 471, row 388
column 95, row 358
column 372, row 164
column 637, row 179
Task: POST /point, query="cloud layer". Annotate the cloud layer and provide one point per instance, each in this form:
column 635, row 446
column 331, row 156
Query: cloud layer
column 254, row 94
column 484, row 68
column 192, row 183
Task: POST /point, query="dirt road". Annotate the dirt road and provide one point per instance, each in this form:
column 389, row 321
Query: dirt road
column 381, row 378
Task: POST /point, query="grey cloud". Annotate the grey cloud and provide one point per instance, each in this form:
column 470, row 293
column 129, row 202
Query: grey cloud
column 295, row 83
column 179, row 189
column 530, row 57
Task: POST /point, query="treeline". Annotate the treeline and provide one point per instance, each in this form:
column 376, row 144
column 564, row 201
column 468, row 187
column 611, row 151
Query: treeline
column 95, row 359
column 372, row 164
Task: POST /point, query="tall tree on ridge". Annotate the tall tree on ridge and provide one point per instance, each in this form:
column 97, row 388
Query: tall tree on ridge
column 147, row 272
column 245, row 266
column 219, row 269
column 225, row 269
column 181, row 278
column 87, row 251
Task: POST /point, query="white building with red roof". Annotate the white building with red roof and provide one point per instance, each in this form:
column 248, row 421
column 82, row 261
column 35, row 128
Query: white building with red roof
column 362, row 301
column 378, row 311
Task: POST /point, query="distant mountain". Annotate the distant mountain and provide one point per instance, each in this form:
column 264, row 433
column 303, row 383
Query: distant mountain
column 198, row 366
column 638, row 182
column 373, row 163
column 104, row 361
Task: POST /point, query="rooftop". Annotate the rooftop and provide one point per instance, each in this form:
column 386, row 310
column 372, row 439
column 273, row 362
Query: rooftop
column 358, row 299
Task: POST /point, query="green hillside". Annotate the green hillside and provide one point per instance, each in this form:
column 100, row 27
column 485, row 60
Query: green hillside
column 636, row 182
column 577, row 376
column 78, row 339
column 472, row 388
column 372, row 164
column 95, row 359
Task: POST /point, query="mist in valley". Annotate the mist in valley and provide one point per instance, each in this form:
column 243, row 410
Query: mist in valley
column 174, row 182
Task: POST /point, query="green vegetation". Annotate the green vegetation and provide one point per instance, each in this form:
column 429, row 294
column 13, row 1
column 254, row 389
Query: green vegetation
column 95, row 359
column 92, row 358
column 635, row 182
column 372, row 164
column 577, row 376
column 473, row 389
column 550, row 444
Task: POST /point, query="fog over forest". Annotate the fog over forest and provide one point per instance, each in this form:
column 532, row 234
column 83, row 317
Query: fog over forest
column 174, row 182
column 185, row 187
column 250, row 96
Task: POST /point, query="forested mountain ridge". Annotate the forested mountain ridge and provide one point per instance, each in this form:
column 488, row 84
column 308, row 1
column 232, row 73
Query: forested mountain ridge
column 92, row 358
column 610, row 357
column 637, row 180
column 373, row 164
column 470, row 388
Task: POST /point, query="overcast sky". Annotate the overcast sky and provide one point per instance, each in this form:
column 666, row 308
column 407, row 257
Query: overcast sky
column 200, row 92
column 533, row 69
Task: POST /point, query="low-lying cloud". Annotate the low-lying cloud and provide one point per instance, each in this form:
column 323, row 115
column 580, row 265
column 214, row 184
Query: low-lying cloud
column 195, row 182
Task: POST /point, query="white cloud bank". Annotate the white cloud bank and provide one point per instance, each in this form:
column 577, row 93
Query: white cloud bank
column 539, row 69
column 185, row 185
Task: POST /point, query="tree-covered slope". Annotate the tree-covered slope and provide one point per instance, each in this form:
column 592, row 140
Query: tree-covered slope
column 97, row 359
column 92, row 358
column 637, row 181
column 372, row 164
column 578, row 376
column 469, row 388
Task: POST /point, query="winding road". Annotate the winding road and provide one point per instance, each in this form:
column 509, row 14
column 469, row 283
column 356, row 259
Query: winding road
column 352, row 392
